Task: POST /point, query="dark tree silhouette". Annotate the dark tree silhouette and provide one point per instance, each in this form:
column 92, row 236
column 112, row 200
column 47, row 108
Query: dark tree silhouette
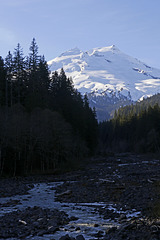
column 48, row 125
column 3, row 84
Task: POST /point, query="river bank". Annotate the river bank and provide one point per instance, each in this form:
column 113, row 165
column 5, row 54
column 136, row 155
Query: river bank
column 116, row 197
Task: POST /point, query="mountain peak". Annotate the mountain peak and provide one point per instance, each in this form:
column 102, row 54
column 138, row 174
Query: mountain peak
column 114, row 47
column 73, row 51
column 108, row 70
column 104, row 50
column 110, row 48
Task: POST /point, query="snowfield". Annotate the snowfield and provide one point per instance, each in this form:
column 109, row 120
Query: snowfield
column 108, row 71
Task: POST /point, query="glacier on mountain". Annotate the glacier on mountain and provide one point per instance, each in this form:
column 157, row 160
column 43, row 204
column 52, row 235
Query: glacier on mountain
column 108, row 73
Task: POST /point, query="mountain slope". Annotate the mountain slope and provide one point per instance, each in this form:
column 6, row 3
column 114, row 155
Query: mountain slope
column 108, row 75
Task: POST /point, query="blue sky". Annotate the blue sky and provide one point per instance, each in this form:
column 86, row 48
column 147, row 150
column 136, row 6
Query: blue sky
column 59, row 25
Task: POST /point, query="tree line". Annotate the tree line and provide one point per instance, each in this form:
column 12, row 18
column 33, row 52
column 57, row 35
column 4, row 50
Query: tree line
column 46, row 123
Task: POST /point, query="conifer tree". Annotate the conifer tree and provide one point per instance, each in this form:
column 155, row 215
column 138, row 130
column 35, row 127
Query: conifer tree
column 9, row 71
column 33, row 62
column 66, row 85
column 32, row 75
column 43, row 82
column 62, row 92
column 2, row 82
column 33, row 56
column 54, row 86
column 19, row 75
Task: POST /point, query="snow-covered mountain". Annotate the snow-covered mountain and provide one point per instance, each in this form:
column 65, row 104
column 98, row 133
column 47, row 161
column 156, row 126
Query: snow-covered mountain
column 108, row 75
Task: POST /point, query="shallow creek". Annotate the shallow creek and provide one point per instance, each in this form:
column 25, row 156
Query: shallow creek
column 88, row 222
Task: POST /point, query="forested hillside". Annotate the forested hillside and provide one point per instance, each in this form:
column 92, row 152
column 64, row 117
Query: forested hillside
column 138, row 107
column 134, row 128
column 45, row 123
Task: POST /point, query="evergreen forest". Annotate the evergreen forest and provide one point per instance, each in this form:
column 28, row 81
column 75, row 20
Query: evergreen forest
column 45, row 123
column 134, row 128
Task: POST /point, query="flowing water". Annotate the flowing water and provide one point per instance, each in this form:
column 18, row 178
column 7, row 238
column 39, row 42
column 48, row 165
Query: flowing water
column 42, row 195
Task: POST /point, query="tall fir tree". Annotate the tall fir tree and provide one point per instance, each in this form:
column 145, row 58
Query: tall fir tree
column 33, row 62
column 9, row 72
column 32, row 76
column 38, row 79
column 61, row 92
column 3, row 80
column 43, row 82
column 19, row 75
column 33, row 56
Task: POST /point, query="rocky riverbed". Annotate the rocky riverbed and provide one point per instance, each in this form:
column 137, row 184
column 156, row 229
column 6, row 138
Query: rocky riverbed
column 116, row 197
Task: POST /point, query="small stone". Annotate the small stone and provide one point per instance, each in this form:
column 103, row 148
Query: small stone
column 66, row 237
column 35, row 224
column 22, row 235
column 110, row 230
column 96, row 225
column 80, row 237
column 41, row 233
column 52, row 229
column 99, row 234
column 122, row 217
column 73, row 218
column 78, row 229
column 68, row 192
column 23, row 222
